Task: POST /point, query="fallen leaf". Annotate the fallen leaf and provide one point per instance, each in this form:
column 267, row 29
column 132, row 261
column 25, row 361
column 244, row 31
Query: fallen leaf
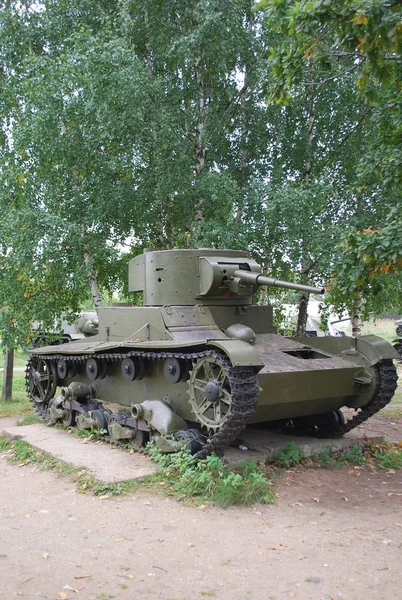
column 344, row 498
column 130, row 576
column 71, row 589
column 79, row 576
column 202, row 506
column 29, row 516
column 63, row 595
column 316, row 499
column 260, row 553
column 45, row 555
column 399, row 444
column 119, row 540
column 391, row 471
column 43, row 511
column 279, row 547
column 292, row 594
column 295, row 504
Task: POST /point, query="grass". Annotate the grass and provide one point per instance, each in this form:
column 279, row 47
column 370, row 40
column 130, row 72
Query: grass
column 19, row 404
column 397, row 398
column 210, row 480
column 374, row 456
column 20, row 359
column 385, row 328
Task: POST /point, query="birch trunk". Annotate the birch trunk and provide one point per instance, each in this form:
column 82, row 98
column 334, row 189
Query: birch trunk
column 160, row 204
column 302, row 316
column 200, row 152
column 93, row 282
column 8, row 375
column 356, row 317
column 304, row 298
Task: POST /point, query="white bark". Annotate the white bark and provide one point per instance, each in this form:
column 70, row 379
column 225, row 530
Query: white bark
column 93, row 283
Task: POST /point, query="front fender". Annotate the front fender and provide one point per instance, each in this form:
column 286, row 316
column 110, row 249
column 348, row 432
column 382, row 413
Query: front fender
column 240, row 354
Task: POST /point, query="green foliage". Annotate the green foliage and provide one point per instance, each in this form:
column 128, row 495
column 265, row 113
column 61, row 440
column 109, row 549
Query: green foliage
column 212, row 479
column 4, row 444
column 290, row 455
column 385, row 456
column 350, row 50
column 28, row 420
column 183, row 124
column 388, row 457
column 368, row 260
column 23, row 451
column 19, row 403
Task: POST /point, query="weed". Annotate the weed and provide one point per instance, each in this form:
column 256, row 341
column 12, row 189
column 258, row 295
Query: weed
column 28, row 420
column 4, row 444
column 290, row 455
column 212, row 478
column 23, row 451
column 356, row 456
column 388, row 457
column 123, row 586
column 208, row 593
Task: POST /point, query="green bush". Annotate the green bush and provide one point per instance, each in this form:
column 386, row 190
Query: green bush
column 213, row 479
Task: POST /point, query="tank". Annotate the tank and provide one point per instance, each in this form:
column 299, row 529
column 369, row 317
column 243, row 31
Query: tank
column 85, row 326
column 198, row 361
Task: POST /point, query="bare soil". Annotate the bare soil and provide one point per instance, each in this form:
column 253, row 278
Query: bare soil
column 332, row 535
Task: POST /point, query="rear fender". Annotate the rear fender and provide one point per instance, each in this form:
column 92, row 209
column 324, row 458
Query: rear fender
column 376, row 349
column 371, row 347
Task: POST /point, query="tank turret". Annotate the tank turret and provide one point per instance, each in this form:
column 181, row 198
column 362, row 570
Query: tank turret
column 203, row 276
column 198, row 361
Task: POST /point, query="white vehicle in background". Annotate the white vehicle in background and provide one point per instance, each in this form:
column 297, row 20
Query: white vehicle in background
column 337, row 325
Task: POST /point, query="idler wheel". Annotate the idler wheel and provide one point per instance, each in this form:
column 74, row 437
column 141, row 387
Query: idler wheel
column 174, row 370
column 41, row 380
column 132, row 368
column 95, row 369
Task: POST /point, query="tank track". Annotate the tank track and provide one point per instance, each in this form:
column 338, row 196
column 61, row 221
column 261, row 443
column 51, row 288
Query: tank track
column 387, row 384
column 243, row 383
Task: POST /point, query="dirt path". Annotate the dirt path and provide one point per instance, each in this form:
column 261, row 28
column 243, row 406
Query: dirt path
column 333, row 535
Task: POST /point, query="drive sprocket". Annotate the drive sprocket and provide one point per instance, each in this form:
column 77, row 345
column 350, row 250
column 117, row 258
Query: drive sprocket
column 209, row 391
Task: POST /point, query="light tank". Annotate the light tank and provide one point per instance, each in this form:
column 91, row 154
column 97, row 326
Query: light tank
column 199, row 361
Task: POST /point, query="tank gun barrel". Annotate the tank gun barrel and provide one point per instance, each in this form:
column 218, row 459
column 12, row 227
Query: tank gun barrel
column 258, row 279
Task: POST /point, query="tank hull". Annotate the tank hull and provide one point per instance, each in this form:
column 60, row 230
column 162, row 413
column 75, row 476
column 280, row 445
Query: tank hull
column 294, row 377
